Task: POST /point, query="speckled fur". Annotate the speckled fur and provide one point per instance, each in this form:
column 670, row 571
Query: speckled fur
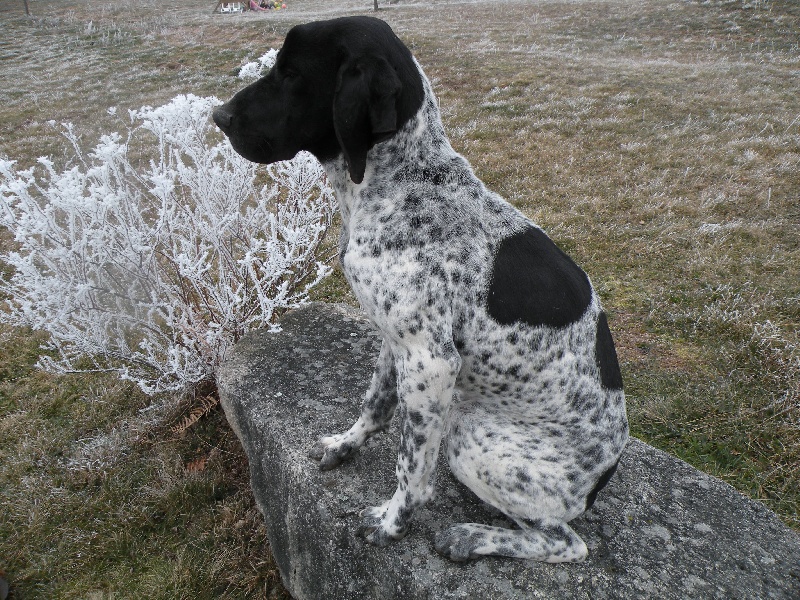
column 494, row 340
column 527, row 421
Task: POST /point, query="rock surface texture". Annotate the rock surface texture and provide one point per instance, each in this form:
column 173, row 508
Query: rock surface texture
column 660, row 529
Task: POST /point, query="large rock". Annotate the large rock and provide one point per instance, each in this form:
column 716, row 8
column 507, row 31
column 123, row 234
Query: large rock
column 660, row 529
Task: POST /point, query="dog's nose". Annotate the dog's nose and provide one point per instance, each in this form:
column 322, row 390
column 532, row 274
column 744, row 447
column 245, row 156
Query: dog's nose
column 222, row 117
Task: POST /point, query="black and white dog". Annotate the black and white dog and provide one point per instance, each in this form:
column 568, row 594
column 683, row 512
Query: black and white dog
column 493, row 338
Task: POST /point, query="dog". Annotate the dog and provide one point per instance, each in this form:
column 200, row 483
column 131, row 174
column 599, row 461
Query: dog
column 494, row 340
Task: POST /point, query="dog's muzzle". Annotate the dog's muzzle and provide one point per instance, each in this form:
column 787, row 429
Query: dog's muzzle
column 222, row 118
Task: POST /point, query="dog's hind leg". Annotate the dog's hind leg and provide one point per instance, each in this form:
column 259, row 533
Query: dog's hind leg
column 547, row 540
column 377, row 410
column 539, row 475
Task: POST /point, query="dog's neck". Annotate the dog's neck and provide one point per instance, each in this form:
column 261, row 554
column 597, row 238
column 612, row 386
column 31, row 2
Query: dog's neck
column 422, row 137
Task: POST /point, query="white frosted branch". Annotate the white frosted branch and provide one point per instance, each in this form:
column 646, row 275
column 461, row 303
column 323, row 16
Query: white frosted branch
column 155, row 271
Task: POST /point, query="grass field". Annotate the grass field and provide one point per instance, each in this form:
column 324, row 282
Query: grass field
column 657, row 141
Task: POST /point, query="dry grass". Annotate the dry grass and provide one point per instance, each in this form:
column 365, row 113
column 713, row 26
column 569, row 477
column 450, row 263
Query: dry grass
column 657, row 141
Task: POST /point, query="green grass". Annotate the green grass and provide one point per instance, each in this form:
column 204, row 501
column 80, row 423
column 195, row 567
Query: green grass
column 100, row 497
column 657, row 142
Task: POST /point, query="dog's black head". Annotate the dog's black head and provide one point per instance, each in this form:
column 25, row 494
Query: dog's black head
column 338, row 86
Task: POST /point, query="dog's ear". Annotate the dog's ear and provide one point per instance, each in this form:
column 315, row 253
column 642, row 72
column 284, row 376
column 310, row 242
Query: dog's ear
column 364, row 109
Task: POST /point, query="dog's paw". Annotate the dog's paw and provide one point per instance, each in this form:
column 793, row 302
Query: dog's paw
column 459, row 543
column 378, row 528
column 333, row 450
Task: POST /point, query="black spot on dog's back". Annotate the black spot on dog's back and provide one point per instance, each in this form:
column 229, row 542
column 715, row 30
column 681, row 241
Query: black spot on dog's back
column 535, row 282
column 606, row 356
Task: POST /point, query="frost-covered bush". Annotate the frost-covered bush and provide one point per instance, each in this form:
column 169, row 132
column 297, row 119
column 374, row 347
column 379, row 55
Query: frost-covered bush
column 254, row 70
column 155, row 268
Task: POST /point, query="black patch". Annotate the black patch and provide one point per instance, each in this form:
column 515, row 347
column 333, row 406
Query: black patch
column 337, row 87
column 415, row 417
column 606, row 356
column 601, row 483
column 536, row 283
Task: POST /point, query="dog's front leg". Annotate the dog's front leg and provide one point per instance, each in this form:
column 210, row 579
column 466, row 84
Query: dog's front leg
column 425, row 382
column 377, row 410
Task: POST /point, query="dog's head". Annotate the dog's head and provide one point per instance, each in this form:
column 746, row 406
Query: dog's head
column 338, row 86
